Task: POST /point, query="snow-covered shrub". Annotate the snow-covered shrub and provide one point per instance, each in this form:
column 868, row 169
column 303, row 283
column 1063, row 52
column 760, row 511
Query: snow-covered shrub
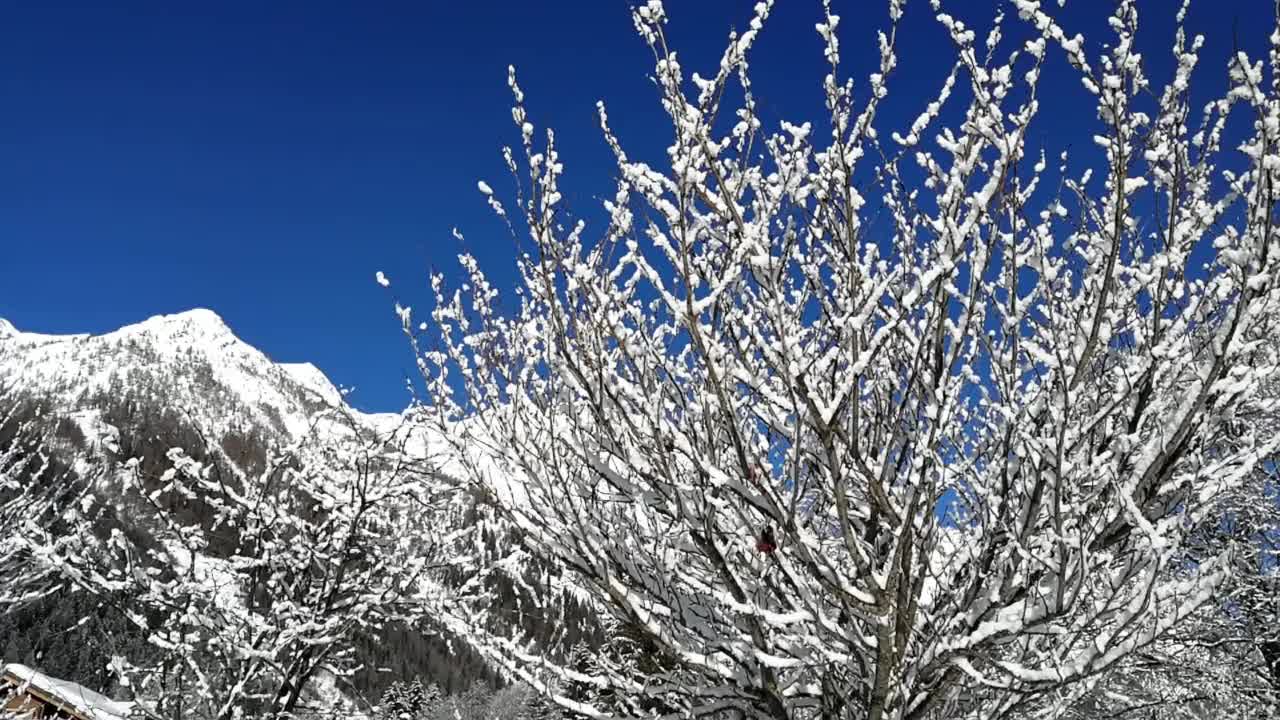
column 253, row 605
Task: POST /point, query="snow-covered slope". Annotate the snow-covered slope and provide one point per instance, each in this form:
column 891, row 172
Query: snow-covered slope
column 190, row 362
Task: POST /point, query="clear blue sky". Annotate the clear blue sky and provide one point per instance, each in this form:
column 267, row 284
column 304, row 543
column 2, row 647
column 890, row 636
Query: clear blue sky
column 264, row 159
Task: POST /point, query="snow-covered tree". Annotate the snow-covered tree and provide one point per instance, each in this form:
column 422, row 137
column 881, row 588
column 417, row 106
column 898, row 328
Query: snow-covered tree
column 863, row 421
column 333, row 538
column 408, row 701
column 35, row 490
column 1247, row 618
column 1218, row 663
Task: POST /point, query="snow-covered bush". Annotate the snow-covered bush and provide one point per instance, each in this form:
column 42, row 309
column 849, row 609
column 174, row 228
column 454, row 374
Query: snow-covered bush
column 254, row 603
column 869, row 421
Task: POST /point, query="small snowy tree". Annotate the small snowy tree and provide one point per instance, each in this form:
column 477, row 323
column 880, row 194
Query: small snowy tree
column 944, row 463
column 392, row 704
column 408, row 701
column 331, row 539
column 36, row 491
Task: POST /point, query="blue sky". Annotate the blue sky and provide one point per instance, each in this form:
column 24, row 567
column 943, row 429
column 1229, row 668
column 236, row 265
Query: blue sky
column 264, row 159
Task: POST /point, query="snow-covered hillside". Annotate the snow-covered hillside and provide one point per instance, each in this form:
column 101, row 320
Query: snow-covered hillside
column 190, row 361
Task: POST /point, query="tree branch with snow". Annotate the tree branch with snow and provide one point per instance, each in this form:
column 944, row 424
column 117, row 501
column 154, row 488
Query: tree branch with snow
column 977, row 416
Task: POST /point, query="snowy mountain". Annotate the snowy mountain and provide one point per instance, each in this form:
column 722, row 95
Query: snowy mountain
column 179, row 381
column 190, row 362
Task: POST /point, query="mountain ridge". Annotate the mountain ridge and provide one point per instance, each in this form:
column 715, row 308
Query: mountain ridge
column 191, row 360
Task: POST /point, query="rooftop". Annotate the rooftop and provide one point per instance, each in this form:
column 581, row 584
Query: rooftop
column 75, row 697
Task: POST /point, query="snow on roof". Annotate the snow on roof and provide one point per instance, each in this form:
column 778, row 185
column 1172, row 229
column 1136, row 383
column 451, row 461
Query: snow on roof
column 81, row 699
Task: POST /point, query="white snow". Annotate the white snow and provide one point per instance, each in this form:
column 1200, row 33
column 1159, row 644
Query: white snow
column 313, row 378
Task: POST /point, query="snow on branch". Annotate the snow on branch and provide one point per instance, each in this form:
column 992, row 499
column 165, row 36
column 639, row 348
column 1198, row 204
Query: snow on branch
column 941, row 464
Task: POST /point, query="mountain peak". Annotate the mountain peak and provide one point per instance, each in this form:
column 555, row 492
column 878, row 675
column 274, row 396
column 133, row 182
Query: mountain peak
column 190, row 360
column 7, row 328
column 189, row 328
column 195, row 318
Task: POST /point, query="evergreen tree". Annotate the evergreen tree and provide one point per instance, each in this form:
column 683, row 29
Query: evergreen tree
column 393, row 704
column 415, row 695
column 412, row 700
